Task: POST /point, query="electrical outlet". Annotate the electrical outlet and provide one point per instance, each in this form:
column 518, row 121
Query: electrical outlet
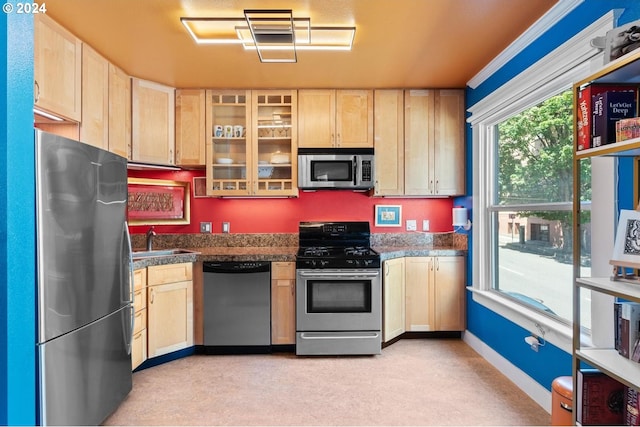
column 205, row 227
column 412, row 225
column 425, row 225
column 226, row 227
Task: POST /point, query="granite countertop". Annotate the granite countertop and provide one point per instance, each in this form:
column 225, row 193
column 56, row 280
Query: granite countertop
column 281, row 254
column 283, row 247
column 247, row 253
column 391, row 252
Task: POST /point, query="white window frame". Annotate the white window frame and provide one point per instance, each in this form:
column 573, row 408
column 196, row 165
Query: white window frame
column 567, row 64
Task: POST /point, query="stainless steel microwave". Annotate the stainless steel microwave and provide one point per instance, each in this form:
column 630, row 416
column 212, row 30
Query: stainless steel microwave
column 335, row 168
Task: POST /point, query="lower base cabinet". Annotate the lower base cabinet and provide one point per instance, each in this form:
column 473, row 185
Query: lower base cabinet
column 169, row 308
column 393, row 298
column 423, row 294
column 283, row 303
column 139, row 344
column 163, row 307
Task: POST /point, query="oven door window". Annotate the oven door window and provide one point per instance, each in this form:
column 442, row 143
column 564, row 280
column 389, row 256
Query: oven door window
column 338, row 296
column 331, row 170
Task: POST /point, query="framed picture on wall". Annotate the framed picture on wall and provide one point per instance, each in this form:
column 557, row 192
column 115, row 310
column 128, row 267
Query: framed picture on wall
column 388, row 215
column 155, row 201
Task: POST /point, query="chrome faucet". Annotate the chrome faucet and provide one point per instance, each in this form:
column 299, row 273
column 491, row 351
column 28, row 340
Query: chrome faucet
column 150, row 234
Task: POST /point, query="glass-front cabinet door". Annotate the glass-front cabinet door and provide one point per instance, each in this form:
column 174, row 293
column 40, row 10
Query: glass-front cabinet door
column 274, row 143
column 229, row 144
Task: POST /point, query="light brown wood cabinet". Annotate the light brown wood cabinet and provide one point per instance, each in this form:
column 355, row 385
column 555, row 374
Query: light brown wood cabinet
column 435, row 293
column 283, row 303
column 94, row 127
column 152, row 122
column 191, row 135
column 335, row 118
column 119, row 112
column 169, row 308
column 139, row 344
column 389, row 142
column 262, row 159
column 274, row 142
column 434, row 142
column 57, row 69
column 393, row 282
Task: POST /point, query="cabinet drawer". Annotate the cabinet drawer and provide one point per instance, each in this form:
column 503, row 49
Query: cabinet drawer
column 170, row 273
column 139, row 321
column 139, row 299
column 283, row 270
column 139, row 349
column 139, row 279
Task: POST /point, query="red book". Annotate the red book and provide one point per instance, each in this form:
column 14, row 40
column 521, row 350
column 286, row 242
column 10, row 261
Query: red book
column 585, row 110
column 600, row 399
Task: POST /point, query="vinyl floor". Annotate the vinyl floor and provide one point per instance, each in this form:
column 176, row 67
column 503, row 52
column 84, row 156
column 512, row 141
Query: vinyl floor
column 413, row 382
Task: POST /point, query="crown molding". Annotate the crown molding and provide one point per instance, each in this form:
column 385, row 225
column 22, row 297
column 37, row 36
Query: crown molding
column 542, row 25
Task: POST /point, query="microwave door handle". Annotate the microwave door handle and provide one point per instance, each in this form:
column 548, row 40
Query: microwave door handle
column 355, row 170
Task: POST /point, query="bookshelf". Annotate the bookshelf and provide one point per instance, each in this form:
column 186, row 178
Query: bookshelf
column 625, row 70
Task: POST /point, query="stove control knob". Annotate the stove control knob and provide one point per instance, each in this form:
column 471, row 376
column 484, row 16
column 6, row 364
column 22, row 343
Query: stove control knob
column 323, row 262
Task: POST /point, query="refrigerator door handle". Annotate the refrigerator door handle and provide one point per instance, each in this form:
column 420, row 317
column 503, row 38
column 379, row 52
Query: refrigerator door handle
column 131, row 285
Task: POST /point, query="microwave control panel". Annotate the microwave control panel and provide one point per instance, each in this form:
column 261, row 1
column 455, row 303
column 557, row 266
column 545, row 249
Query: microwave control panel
column 366, row 171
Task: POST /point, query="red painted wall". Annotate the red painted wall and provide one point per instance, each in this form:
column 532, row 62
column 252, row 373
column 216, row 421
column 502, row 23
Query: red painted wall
column 267, row 215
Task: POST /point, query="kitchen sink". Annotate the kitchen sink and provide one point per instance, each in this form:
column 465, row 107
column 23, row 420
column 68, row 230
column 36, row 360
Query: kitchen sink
column 160, row 252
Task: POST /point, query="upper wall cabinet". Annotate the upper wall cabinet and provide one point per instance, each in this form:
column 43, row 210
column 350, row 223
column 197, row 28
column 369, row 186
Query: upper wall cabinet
column 152, row 122
column 119, row 112
column 190, row 127
column 389, row 142
column 335, row 118
column 94, row 128
column 228, row 152
column 251, row 148
column 57, row 69
column 419, row 143
column 448, row 144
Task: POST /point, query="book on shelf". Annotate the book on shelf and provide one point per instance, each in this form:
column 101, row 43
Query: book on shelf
column 631, row 409
column 627, row 328
column 627, row 129
column 600, row 399
column 584, row 110
column 607, row 108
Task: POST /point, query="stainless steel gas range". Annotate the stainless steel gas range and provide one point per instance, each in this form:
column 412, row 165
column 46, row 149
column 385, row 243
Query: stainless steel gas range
column 338, row 290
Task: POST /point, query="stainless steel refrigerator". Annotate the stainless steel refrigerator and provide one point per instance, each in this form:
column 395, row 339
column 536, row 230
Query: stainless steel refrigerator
column 85, row 314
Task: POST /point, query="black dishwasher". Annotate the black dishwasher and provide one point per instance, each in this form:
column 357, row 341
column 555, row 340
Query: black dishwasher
column 237, row 307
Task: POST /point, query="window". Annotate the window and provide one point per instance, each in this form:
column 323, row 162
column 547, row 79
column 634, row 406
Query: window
column 523, row 191
column 533, row 186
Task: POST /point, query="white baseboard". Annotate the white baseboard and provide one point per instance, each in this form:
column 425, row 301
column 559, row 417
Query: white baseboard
column 532, row 388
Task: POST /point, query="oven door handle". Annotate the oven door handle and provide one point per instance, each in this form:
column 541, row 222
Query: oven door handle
column 330, row 336
column 349, row 274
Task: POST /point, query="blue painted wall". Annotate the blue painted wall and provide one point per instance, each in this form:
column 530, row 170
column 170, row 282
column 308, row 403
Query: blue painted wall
column 500, row 334
column 17, row 229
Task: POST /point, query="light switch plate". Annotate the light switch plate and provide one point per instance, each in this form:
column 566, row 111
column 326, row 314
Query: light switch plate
column 226, row 227
column 205, row 227
column 412, row 225
column 425, row 225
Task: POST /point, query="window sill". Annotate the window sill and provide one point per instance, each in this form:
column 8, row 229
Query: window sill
column 556, row 333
